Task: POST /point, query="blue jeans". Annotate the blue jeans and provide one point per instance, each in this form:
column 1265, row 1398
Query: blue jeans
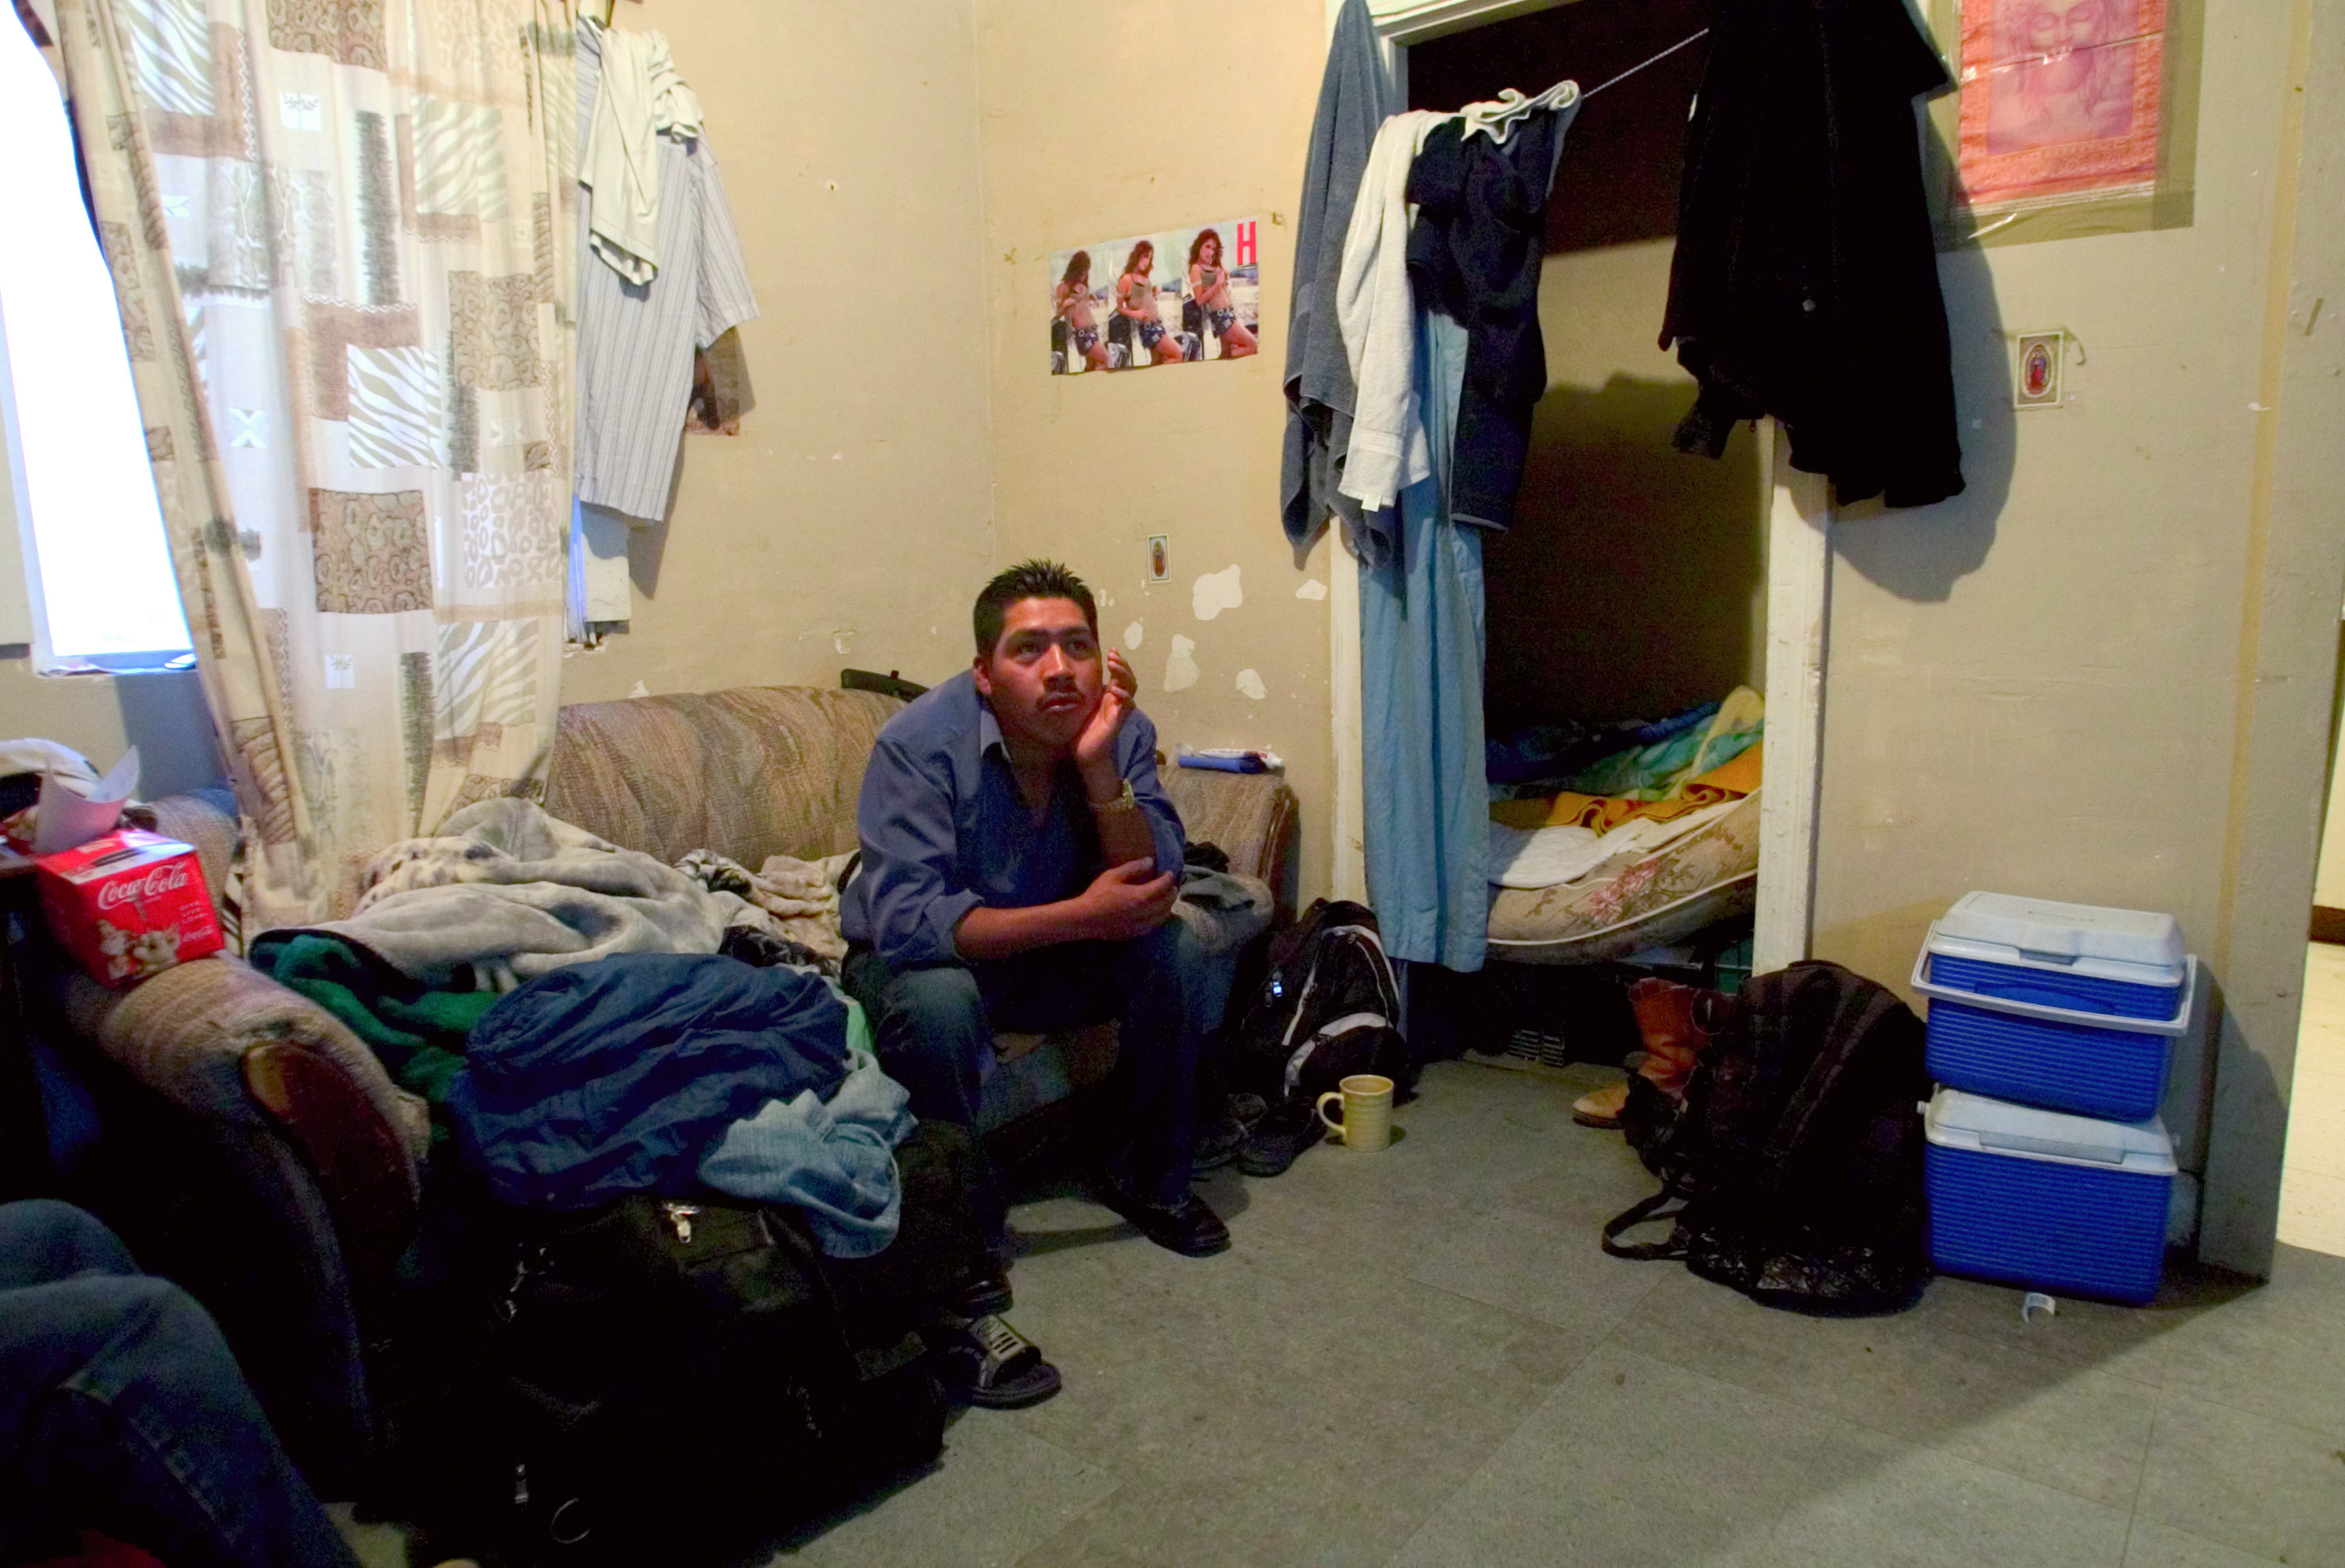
column 122, row 1410
column 934, row 1027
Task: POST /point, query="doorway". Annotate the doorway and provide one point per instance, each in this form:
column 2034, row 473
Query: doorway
column 2312, row 1165
column 1612, row 219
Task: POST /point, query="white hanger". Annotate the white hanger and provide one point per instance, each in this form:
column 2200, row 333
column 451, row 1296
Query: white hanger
column 1496, row 117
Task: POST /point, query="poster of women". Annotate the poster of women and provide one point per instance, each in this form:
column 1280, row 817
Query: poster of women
column 1178, row 297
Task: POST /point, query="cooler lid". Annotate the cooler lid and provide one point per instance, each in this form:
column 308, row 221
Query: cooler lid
column 2185, row 979
column 2049, row 931
column 1961, row 1121
column 2163, row 976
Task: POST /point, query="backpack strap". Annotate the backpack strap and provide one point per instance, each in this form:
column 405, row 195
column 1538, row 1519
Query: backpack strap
column 1301, row 1006
column 1642, row 1212
column 1364, row 932
column 1326, row 1032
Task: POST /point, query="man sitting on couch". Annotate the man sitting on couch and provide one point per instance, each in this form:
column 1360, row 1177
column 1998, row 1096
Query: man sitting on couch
column 1020, row 862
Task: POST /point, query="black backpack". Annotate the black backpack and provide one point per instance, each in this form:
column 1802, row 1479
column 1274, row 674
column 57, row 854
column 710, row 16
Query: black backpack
column 1796, row 1163
column 663, row 1380
column 1328, row 1008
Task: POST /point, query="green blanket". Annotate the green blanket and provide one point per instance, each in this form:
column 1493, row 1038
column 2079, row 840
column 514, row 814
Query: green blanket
column 417, row 1031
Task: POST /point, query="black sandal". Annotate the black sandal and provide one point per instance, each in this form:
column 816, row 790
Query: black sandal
column 989, row 1364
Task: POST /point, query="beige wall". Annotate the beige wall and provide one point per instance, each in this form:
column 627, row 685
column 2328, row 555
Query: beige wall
column 2075, row 680
column 851, row 515
column 1633, row 583
column 1123, row 117
column 100, row 715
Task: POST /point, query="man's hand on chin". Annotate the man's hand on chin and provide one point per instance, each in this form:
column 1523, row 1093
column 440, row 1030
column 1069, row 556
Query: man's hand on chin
column 1095, row 746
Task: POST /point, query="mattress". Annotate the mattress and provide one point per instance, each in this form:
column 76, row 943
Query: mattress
column 1634, row 902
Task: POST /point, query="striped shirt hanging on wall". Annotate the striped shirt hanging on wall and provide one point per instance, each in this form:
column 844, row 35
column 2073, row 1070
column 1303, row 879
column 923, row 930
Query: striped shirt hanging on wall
column 635, row 343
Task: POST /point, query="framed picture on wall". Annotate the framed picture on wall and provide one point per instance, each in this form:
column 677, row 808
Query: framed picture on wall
column 2070, row 117
column 1180, row 296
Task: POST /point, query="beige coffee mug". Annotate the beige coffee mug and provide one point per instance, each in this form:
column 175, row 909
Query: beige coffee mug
column 1367, row 1111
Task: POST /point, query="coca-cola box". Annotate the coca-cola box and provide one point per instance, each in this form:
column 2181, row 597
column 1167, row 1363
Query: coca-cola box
column 128, row 904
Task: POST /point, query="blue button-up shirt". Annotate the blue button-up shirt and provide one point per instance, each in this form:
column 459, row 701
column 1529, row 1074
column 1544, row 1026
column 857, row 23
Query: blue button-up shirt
column 945, row 831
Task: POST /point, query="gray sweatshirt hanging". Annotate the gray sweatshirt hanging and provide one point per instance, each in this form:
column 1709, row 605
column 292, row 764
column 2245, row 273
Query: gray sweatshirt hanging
column 1353, row 98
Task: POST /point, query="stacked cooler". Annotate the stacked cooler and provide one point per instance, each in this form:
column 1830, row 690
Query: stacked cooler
column 2051, row 1028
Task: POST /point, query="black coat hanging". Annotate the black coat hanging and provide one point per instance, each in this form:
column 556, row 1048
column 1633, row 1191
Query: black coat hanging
column 1805, row 280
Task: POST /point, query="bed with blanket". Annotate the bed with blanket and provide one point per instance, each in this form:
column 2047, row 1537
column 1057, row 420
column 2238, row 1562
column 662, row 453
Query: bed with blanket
column 1607, row 841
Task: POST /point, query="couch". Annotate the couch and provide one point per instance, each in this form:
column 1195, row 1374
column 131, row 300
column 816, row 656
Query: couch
column 256, row 1151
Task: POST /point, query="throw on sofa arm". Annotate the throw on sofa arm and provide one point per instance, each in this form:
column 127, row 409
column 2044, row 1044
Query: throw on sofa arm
column 257, row 1153
column 1250, row 816
column 223, row 1042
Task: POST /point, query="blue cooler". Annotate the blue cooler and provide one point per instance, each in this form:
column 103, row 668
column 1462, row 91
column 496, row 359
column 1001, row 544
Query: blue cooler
column 2069, row 1006
column 2052, row 1201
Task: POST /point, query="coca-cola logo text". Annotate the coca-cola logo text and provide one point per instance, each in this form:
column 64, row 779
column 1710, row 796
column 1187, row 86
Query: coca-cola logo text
column 168, row 877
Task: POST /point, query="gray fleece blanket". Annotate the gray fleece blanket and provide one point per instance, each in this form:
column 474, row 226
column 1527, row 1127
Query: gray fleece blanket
column 515, row 894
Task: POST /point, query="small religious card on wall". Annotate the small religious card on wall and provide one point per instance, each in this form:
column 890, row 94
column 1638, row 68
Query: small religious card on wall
column 1178, row 297
column 2072, row 115
column 2038, row 382
column 720, row 389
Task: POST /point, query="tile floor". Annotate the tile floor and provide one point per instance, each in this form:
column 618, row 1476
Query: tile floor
column 2312, row 1178
column 1421, row 1357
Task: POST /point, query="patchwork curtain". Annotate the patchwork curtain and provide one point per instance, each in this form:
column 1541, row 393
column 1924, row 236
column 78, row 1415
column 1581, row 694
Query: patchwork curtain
column 338, row 240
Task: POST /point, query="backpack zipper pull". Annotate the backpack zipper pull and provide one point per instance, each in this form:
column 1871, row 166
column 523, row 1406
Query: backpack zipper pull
column 679, row 1219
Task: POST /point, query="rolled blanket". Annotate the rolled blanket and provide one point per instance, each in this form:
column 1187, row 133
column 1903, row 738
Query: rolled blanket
column 511, row 893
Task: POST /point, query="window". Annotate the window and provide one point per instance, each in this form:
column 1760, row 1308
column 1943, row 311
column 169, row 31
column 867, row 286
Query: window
column 98, row 574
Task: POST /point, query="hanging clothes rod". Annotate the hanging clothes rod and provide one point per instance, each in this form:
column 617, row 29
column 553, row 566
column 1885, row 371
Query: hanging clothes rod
column 1656, row 59
column 1511, row 106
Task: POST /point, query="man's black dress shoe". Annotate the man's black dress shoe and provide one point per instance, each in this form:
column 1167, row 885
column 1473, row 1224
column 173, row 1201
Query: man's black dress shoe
column 1185, row 1225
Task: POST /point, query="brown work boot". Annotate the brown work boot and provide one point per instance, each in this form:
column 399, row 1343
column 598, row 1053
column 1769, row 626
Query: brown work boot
column 1675, row 1022
column 1601, row 1107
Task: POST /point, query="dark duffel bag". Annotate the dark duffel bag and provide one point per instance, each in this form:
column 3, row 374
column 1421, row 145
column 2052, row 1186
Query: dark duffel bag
column 1795, row 1166
column 677, row 1379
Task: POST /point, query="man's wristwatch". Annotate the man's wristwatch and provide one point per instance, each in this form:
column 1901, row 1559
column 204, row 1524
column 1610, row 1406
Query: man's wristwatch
column 1125, row 800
